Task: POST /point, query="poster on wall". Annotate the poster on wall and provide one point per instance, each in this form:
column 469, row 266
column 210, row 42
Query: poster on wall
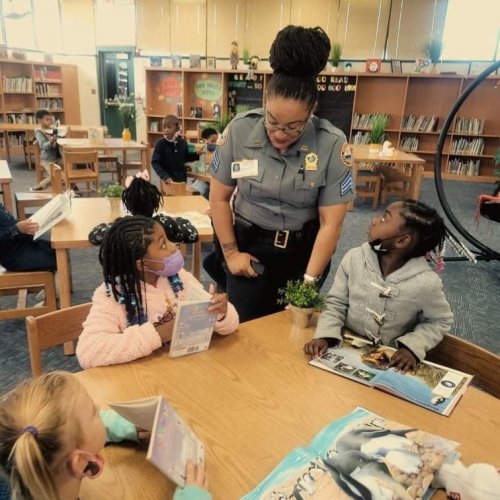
column 244, row 94
column 373, row 65
column 336, row 100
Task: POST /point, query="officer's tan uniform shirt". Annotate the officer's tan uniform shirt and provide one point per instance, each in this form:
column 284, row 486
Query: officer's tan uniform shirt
column 289, row 187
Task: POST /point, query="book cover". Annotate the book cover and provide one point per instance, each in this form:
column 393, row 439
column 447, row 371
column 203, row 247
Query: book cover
column 433, row 386
column 361, row 455
column 172, row 441
column 57, row 209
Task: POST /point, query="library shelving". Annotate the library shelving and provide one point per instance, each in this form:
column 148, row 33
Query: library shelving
column 416, row 105
column 28, row 85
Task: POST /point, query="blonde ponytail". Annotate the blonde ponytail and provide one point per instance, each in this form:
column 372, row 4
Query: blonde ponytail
column 36, row 433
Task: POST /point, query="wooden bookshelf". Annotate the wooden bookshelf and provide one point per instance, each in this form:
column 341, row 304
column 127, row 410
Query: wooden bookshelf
column 51, row 86
column 173, row 91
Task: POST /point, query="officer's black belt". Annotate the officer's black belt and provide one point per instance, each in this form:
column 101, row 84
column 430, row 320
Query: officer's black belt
column 279, row 239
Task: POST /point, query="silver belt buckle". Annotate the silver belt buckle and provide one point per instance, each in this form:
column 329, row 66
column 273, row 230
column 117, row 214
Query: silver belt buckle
column 281, row 239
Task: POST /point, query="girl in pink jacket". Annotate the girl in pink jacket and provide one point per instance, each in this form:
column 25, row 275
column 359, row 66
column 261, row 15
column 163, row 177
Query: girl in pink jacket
column 133, row 310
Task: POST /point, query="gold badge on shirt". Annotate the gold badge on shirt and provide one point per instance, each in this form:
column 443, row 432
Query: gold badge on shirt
column 311, row 162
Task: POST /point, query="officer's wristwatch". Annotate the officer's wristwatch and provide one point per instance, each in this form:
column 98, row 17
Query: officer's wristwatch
column 311, row 279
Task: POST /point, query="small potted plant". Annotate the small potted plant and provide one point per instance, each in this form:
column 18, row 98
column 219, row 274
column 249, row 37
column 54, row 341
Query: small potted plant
column 433, row 51
column 113, row 192
column 377, row 132
column 335, row 56
column 302, row 299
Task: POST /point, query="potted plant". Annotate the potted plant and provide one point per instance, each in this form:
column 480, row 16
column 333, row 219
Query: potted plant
column 113, row 192
column 377, row 132
column 246, row 57
column 302, row 299
column 126, row 109
column 221, row 124
column 433, row 51
column 335, row 55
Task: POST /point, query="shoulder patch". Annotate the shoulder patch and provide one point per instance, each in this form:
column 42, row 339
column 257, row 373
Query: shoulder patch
column 223, row 138
column 347, row 184
column 214, row 166
column 346, row 154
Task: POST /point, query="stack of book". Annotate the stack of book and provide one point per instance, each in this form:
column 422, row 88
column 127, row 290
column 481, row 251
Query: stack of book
column 45, row 73
column 18, row 84
column 469, row 126
column 420, row 123
column 16, row 140
column 24, row 117
column 47, row 89
column 468, row 146
column 365, row 121
column 50, row 103
column 361, row 138
column 409, row 143
column 459, row 166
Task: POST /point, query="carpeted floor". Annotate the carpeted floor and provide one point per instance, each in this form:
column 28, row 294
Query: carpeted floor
column 472, row 290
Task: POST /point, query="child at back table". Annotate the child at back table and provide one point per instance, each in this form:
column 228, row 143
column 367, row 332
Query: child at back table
column 386, row 291
column 51, row 436
column 133, row 311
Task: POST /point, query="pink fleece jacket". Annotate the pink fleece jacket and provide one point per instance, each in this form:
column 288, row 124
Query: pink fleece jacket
column 107, row 340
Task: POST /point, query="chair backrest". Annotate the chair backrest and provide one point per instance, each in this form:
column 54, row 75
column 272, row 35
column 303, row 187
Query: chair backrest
column 459, row 354
column 175, row 189
column 76, row 134
column 53, row 329
column 56, row 178
column 74, row 160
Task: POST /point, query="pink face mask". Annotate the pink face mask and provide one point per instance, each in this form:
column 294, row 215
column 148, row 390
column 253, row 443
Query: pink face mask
column 172, row 264
column 95, row 463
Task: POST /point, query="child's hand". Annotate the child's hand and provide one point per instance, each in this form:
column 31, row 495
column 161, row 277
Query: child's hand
column 27, row 227
column 316, row 348
column 195, row 475
column 219, row 301
column 404, row 360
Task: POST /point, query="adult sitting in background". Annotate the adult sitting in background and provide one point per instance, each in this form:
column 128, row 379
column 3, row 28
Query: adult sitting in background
column 18, row 250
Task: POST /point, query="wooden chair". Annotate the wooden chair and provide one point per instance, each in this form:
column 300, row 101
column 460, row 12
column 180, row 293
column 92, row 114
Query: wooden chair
column 396, row 181
column 130, row 164
column 23, row 283
column 459, row 354
column 26, row 200
column 30, row 150
column 81, row 167
column 53, row 329
column 368, row 185
column 176, row 189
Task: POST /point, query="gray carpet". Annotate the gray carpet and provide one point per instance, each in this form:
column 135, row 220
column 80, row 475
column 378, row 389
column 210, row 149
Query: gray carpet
column 473, row 290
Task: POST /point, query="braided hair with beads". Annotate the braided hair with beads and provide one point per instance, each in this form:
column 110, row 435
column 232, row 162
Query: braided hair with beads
column 142, row 197
column 297, row 56
column 125, row 243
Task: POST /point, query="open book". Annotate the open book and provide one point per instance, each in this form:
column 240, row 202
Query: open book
column 57, row 209
column 172, row 441
column 361, row 455
column 433, row 386
column 194, row 325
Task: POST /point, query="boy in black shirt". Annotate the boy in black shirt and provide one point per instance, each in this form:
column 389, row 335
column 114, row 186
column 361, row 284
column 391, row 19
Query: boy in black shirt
column 171, row 153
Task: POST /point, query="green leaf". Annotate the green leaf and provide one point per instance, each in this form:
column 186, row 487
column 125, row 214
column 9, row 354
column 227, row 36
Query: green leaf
column 300, row 294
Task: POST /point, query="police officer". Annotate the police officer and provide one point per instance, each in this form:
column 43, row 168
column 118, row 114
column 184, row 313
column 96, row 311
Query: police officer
column 293, row 183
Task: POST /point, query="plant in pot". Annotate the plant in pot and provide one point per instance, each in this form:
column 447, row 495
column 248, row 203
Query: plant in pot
column 335, row 55
column 113, row 192
column 433, row 51
column 126, row 109
column 302, row 299
column 377, row 132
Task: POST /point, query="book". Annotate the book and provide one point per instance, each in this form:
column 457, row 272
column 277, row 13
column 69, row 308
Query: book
column 172, row 441
column 194, row 325
column 433, row 386
column 361, row 455
column 57, row 209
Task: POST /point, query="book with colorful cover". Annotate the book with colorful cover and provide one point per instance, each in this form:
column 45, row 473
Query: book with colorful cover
column 433, row 386
column 361, row 455
column 57, row 209
column 172, row 441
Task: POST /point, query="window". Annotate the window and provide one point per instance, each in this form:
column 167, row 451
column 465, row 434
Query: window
column 471, row 30
column 48, row 26
column 18, row 22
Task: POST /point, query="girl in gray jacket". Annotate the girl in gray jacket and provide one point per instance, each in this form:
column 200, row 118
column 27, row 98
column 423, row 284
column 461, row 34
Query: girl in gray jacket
column 386, row 291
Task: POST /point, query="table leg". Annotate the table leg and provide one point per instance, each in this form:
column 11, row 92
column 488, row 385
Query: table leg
column 144, row 161
column 197, row 260
column 64, row 281
column 7, row 197
column 416, row 178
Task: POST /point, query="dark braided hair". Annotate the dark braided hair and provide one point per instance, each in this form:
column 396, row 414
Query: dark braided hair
column 126, row 242
column 428, row 226
column 297, row 55
column 142, row 197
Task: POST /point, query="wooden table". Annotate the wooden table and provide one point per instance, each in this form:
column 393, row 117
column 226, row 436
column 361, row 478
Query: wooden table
column 110, row 144
column 360, row 155
column 5, row 186
column 86, row 213
column 252, row 398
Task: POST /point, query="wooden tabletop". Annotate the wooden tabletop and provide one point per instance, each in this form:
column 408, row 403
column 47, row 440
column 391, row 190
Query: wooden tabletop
column 252, row 398
column 109, row 143
column 360, row 154
column 5, row 175
column 31, row 127
column 86, row 213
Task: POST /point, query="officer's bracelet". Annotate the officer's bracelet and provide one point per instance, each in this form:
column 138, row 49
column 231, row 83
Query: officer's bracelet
column 311, row 279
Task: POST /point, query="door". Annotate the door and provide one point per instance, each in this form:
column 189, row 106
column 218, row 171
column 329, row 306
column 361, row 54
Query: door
column 116, row 78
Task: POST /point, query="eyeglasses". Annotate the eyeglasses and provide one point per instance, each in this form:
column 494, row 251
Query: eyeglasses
column 290, row 130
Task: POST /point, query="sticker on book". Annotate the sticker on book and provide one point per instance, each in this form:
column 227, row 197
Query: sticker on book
column 346, row 154
column 346, row 184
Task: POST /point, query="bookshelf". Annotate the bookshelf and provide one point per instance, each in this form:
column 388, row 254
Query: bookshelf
column 27, row 86
column 417, row 106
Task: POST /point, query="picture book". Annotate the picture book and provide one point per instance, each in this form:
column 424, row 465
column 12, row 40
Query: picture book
column 194, row 325
column 433, row 386
column 361, row 455
column 172, row 441
column 57, row 209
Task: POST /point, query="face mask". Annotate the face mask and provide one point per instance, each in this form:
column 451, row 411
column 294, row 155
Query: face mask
column 376, row 245
column 95, row 463
column 211, row 147
column 172, row 264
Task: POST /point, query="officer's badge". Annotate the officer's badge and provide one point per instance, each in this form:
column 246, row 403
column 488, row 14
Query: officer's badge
column 346, row 154
column 223, row 138
column 311, row 162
